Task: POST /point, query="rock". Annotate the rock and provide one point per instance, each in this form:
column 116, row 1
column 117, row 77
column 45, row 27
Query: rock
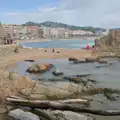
column 111, row 40
column 15, row 113
column 29, row 60
column 102, row 61
column 50, row 92
column 66, row 115
column 25, row 82
column 91, row 60
column 57, row 72
column 36, row 68
column 14, row 76
column 21, row 115
column 28, row 116
column 73, row 59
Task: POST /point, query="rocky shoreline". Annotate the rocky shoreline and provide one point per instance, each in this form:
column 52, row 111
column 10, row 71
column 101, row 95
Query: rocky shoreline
column 14, row 88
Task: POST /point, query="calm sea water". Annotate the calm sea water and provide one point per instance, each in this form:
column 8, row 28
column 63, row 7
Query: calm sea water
column 72, row 44
column 108, row 77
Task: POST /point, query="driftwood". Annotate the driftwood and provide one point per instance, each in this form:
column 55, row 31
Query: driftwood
column 12, row 99
column 60, row 106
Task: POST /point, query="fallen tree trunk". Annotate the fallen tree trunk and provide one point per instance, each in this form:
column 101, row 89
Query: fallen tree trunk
column 59, row 106
column 18, row 99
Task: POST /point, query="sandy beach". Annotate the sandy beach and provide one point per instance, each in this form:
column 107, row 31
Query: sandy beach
column 36, row 54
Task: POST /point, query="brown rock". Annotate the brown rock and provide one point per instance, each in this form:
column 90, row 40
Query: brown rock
column 24, row 82
column 37, row 68
column 111, row 40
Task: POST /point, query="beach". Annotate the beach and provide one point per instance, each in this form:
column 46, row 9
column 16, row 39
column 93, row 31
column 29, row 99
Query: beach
column 8, row 59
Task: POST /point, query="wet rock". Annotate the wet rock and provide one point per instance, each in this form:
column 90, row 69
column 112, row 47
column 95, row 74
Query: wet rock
column 73, row 59
column 29, row 60
column 91, row 60
column 107, row 65
column 57, row 73
column 79, row 61
column 56, row 79
column 66, row 115
column 21, row 115
column 36, row 68
column 102, row 61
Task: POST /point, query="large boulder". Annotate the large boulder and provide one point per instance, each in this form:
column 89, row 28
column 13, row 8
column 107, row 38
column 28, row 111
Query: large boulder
column 111, row 40
column 65, row 115
column 21, row 83
column 21, row 115
column 37, row 68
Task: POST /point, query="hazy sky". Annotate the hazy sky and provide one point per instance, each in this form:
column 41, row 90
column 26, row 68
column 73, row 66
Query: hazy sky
column 103, row 13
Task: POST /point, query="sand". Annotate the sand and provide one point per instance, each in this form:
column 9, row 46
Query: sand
column 36, row 54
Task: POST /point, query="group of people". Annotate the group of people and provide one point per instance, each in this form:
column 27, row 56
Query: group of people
column 53, row 50
column 8, row 41
column 88, row 47
column 11, row 41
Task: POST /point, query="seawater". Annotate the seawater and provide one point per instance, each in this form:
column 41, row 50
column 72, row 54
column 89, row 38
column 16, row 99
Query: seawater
column 71, row 44
column 108, row 77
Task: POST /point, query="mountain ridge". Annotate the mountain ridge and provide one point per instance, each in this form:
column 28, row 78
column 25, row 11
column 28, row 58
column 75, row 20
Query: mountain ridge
column 63, row 25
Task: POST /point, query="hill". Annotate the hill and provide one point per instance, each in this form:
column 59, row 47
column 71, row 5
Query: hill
column 62, row 25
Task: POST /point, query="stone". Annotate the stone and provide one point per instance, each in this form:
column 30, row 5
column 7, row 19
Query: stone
column 28, row 116
column 37, row 68
column 25, row 82
column 110, row 40
column 66, row 115
column 21, row 115
column 15, row 113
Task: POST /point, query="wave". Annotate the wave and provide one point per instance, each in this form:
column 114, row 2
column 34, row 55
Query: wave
column 26, row 47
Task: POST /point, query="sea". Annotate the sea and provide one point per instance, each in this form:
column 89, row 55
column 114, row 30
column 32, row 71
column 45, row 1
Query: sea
column 70, row 44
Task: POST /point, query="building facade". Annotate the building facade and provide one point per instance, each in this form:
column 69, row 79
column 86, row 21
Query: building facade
column 2, row 41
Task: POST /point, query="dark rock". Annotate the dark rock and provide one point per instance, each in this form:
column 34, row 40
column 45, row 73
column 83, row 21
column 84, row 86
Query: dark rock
column 91, row 60
column 79, row 61
column 102, row 61
column 57, row 73
column 29, row 60
column 73, row 59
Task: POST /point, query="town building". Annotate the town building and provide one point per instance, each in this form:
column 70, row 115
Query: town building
column 2, row 41
column 7, row 29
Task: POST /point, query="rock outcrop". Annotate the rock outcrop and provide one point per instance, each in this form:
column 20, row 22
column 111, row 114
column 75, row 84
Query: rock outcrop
column 111, row 40
column 21, row 115
column 37, row 68
column 65, row 115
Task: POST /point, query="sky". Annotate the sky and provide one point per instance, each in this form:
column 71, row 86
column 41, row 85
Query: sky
column 97, row 13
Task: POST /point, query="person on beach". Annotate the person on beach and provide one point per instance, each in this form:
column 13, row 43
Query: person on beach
column 53, row 50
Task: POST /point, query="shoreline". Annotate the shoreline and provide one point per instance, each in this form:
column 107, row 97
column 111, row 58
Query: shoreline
column 53, row 39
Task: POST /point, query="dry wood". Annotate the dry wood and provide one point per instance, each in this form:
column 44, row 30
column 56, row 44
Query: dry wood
column 60, row 106
column 19, row 99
